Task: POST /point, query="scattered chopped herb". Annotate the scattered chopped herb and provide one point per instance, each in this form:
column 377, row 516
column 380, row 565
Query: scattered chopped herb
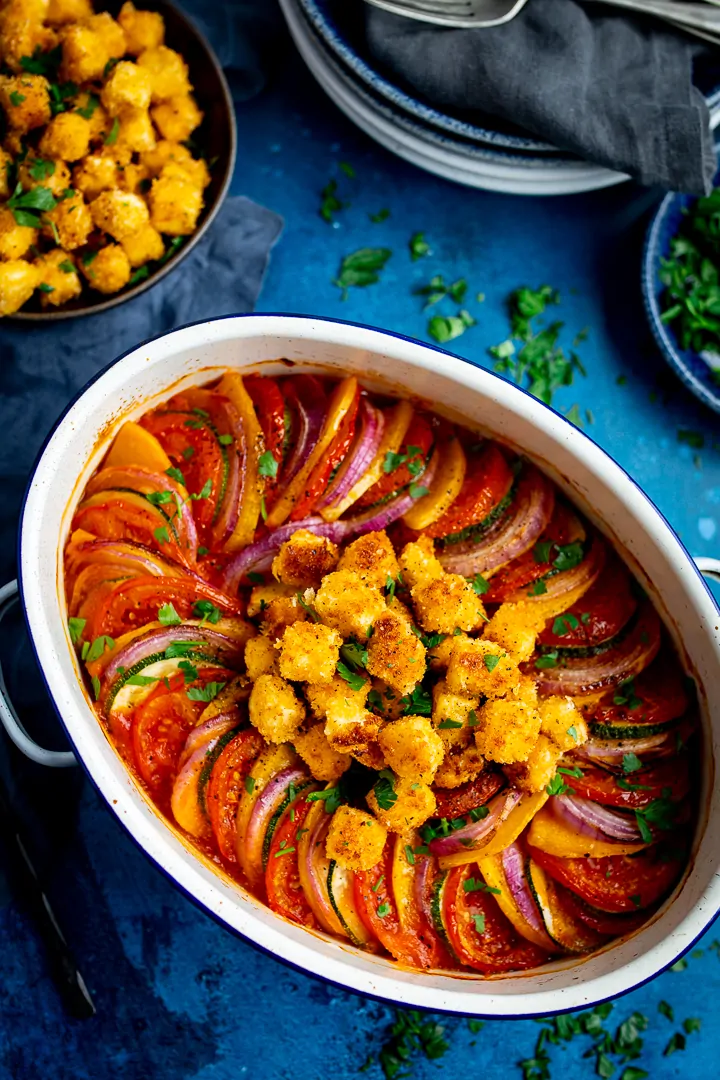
column 472, row 884
column 384, row 789
column 141, row 680
column 625, row 695
column 67, row 267
column 168, row 616
column 16, row 98
column 438, row 289
column 162, row 535
column 666, row 1010
column 141, row 274
column 479, row 921
column 41, row 169
column 267, row 465
column 207, row 611
column 549, row 660
column 181, row 648
column 679, row 965
column 564, row 624
column 383, row 910
column 491, row 661
column 87, row 111
column 354, row 681
column 557, row 786
column 98, row 647
column 572, row 732
column 445, row 328
column 419, row 247
column 677, row 1042
column 76, row 627
column 205, row 693
column 448, row 725
column 538, row 589
column 361, row 268
column 481, row 586
column 411, row 1033
column 413, row 458
column 96, row 686
column 573, row 415
column 256, row 578
column 417, row 703
column 418, row 491
column 631, row 763
column 249, row 784
column 202, row 551
column 355, row 656
column 307, row 608
column 381, row 215
column 111, row 137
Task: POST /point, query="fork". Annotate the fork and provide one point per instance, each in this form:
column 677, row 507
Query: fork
column 478, row 14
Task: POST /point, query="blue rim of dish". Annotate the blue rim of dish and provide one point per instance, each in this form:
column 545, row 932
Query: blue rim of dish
column 166, row 873
column 687, row 365
column 472, row 150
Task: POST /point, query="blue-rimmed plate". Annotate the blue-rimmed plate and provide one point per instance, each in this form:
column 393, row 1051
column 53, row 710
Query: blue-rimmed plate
column 691, row 368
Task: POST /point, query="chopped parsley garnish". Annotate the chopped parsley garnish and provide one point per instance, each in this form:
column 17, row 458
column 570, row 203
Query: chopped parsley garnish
column 329, row 202
column 445, row 328
column 410, row 1034
column 677, row 1042
column 631, row 763
column 249, row 783
column 660, row 812
column 572, row 732
column 491, row 661
column 384, row 789
column 98, row 647
column 557, row 786
column 96, row 686
column 181, row 648
column 549, row 660
column 437, row 290
column 332, row 797
column 307, row 608
column 354, row 655
column 41, row 169
column 479, row 921
column 42, row 63
column 283, row 849
column 383, row 910
column 256, row 578
column 207, row 611
column 625, row 695
column 667, row 1011
column 76, row 627
column 87, row 111
column 419, row 247
column 413, row 458
column 159, row 498
column 448, row 725
column 381, row 215
column 203, row 551
column 225, row 440
column 112, row 135
column 418, row 491
column 480, row 585
column 361, row 268
column 538, row 589
column 472, row 884
column 141, row 680
column 168, row 616
column 564, row 624
column 141, row 274
column 16, row 98
column 354, row 681
column 27, row 206
column 189, row 671
column 267, row 465
column 418, row 703
column 176, row 474
column 162, row 535
column 205, row 693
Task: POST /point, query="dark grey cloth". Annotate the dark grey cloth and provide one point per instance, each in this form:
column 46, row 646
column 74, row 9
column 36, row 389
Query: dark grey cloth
column 613, row 88
column 43, row 366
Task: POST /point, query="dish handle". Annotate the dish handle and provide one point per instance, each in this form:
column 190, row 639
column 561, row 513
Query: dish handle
column 61, row 759
column 54, row 759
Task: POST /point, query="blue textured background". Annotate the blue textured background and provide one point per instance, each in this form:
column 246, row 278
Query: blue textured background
column 177, row 996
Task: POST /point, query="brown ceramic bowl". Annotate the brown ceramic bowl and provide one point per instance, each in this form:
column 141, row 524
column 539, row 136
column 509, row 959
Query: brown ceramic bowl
column 215, row 139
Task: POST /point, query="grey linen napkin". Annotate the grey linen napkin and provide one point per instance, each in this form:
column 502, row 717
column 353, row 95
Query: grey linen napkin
column 612, row 88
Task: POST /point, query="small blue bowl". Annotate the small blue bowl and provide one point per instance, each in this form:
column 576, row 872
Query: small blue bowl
column 690, row 367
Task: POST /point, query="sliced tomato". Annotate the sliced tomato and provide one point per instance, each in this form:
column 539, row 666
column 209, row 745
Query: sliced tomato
column 418, row 440
column 270, row 408
column 320, row 476
column 482, row 937
column 192, row 442
column 609, row 925
column 660, row 690
column 226, row 785
column 282, row 877
column 487, row 481
column 669, row 779
column 374, row 895
column 527, row 568
column 134, row 602
column 601, row 613
column 615, row 883
column 160, row 727
column 126, row 515
column 455, row 802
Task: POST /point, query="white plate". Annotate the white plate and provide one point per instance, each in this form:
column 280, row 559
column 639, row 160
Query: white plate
column 486, row 169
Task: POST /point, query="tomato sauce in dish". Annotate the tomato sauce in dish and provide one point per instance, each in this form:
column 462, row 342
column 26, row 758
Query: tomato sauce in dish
column 383, row 673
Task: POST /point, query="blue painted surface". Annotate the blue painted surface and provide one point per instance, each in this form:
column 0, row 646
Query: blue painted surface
column 177, row 996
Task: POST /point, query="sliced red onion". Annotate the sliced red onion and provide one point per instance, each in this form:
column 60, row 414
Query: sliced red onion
column 423, row 867
column 259, row 556
column 513, row 533
column 595, row 821
column 513, row 861
column 309, row 421
column 612, row 751
column 250, row 846
column 313, row 867
column 591, row 673
column 157, row 641
column 147, row 482
column 204, row 733
column 584, row 575
column 467, row 838
column 126, row 555
column 360, row 456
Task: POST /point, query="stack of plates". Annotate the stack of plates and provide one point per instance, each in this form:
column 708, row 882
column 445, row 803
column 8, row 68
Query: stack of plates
column 329, row 38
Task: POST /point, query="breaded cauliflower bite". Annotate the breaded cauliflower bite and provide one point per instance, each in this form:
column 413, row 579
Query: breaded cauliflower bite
column 175, row 205
column 73, row 224
column 26, row 101
column 345, row 602
column 261, row 596
column 459, row 766
column 58, row 278
column 177, row 118
column 355, row 839
column 22, row 31
column 274, row 709
column 304, row 559
column 419, row 564
column 143, row 29
column 128, row 86
column 535, row 773
column 309, row 652
column 168, row 72
column 508, row 728
column 413, row 804
column 515, row 627
column 412, row 748
column 119, row 213
column 67, row 137
column 281, row 613
column 37, row 172
column 562, row 722
column 372, row 557
column 350, row 730
column 109, row 270
column 145, row 245
column 479, row 667
column 454, row 716
column 18, row 281
column 15, row 240
column 60, row 12
column 395, row 654
column 88, row 47
column 261, row 657
column 447, row 603
column 323, row 762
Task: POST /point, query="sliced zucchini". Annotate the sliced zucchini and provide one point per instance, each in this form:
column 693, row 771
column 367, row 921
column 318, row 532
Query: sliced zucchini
column 341, row 890
column 563, row 928
column 292, row 792
column 437, row 905
column 493, row 872
column 630, row 731
column 123, row 695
